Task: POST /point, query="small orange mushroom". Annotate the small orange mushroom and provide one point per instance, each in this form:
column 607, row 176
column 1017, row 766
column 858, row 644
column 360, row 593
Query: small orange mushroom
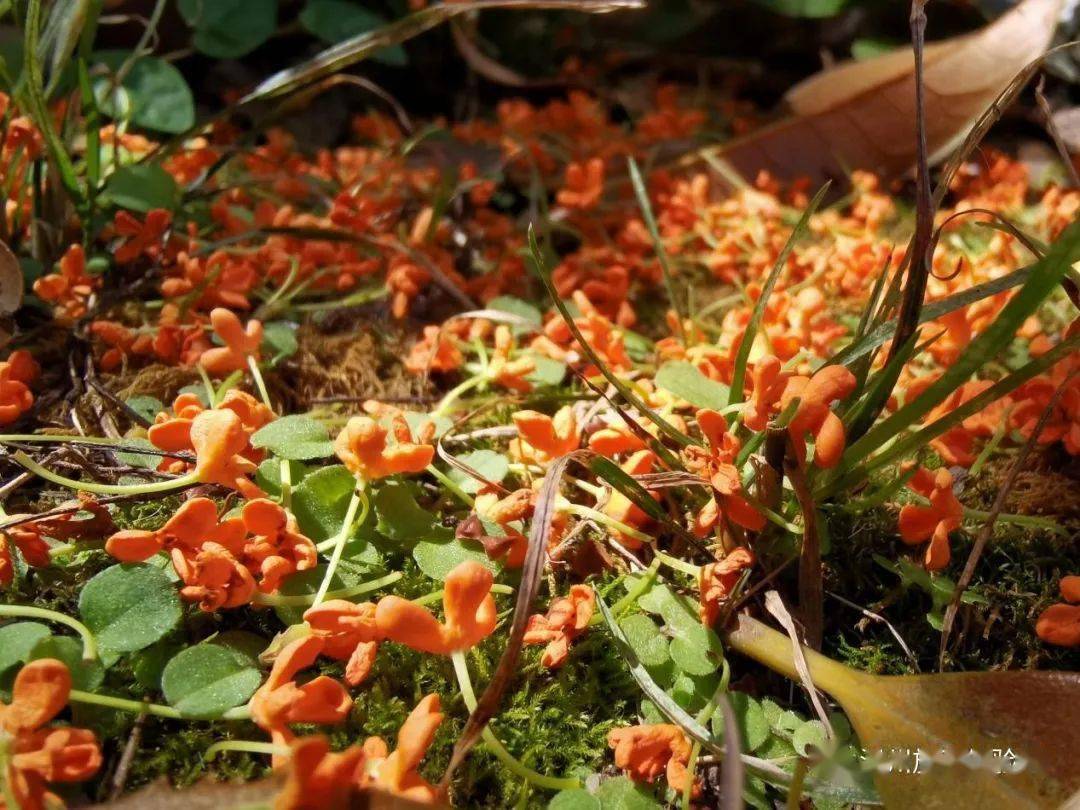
column 241, row 343
column 543, row 438
column 349, row 632
column 281, row 701
column 934, row 522
column 38, row 754
column 469, row 614
column 813, row 415
column 646, row 751
column 567, row 618
column 1060, row 624
column 717, row 580
column 362, row 447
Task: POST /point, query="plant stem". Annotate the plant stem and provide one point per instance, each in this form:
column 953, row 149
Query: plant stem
column 679, row 565
column 105, row 489
column 124, row 705
column 90, row 652
column 286, row 484
column 435, row 596
column 256, row 375
column 606, row 520
column 359, row 498
column 451, row 485
column 454, row 394
column 461, row 670
column 301, row 600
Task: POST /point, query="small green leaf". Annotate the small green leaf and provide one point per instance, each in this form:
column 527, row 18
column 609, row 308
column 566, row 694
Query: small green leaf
column 280, row 338
column 576, row 799
column 335, row 21
column 685, row 381
column 128, row 607
column 148, row 664
column 227, row 29
column 401, row 518
column 646, row 640
column 321, row 499
column 141, row 187
column 753, row 724
column 677, row 611
column 696, row 651
column 523, row 309
column 493, row 466
column 621, row 793
column 207, row 680
column 296, row 437
column 159, row 95
column 147, row 461
column 85, row 675
column 810, row 734
column 547, row 371
column 438, row 558
column 17, row 642
column 146, row 406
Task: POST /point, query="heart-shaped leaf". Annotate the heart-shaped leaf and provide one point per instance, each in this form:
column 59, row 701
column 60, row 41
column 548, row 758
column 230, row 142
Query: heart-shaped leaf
column 686, row 382
column 296, row 437
column 128, row 607
column 493, row 466
column 17, row 642
column 208, row 679
column 438, row 558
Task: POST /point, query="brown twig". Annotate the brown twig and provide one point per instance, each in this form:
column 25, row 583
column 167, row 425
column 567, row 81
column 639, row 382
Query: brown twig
column 123, row 767
column 919, row 264
column 1055, row 135
column 811, row 591
column 995, row 510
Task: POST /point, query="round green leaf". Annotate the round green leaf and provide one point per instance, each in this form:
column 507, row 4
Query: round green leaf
column 696, row 651
column 128, row 607
column 439, row 558
column 17, row 642
column 576, row 799
column 685, row 381
column 227, row 29
column 646, row 640
column 753, row 724
column 159, row 95
column 296, row 437
column 493, row 466
column 321, row 500
column 146, row 406
column 207, row 680
column 810, row 734
column 621, row 793
column 141, row 187
column 85, row 675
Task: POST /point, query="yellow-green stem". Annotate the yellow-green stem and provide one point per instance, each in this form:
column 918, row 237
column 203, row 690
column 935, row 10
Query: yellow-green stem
column 26, row 611
column 461, row 670
column 256, row 375
column 358, row 500
column 105, row 489
column 301, row 600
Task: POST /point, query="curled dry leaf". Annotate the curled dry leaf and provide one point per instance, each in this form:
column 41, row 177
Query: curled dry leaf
column 858, row 115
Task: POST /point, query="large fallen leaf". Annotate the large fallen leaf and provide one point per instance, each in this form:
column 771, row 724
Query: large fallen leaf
column 860, row 114
column 1035, row 714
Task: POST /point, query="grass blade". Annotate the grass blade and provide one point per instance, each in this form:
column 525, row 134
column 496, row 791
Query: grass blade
column 738, row 377
column 658, row 245
column 540, row 267
column 1044, row 278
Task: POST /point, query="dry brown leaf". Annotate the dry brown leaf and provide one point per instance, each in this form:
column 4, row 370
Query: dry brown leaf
column 859, row 115
column 11, row 281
